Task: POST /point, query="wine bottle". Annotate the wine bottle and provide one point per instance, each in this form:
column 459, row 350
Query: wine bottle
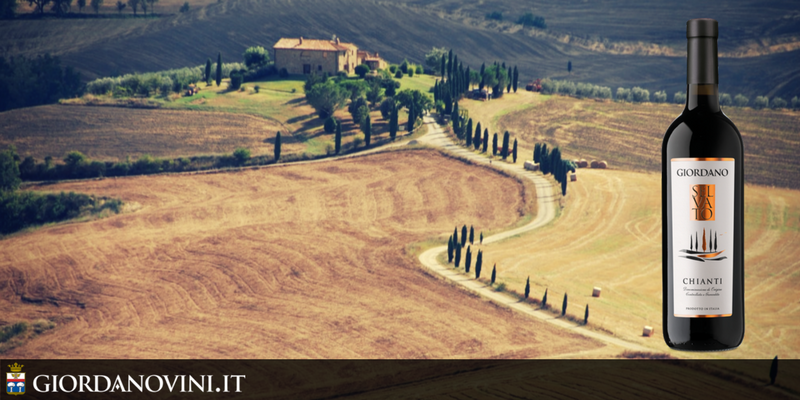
column 702, row 200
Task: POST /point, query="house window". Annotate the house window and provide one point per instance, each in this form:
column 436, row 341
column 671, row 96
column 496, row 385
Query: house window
column 319, row 67
column 325, row 55
column 306, row 68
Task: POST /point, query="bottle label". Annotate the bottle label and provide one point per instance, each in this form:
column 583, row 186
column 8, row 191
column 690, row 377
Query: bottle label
column 702, row 236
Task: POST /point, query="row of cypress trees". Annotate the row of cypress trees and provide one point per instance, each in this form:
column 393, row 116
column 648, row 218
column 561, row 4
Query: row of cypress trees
column 550, row 162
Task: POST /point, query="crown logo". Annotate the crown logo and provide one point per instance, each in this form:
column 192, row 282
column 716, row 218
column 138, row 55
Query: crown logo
column 16, row 367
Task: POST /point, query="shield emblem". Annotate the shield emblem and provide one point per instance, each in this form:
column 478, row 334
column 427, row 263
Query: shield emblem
column 15, row 380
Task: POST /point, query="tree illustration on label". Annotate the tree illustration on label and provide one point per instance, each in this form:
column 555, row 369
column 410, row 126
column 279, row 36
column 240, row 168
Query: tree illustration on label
column 709, row 249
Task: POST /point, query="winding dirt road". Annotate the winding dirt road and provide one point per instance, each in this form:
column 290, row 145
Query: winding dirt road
column 546, row 212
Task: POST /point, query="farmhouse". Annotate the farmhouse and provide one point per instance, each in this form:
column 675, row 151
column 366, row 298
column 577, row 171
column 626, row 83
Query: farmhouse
column 303, row 56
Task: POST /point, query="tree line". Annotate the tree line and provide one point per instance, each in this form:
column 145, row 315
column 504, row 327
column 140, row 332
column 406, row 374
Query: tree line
column 24, row 209
column 64, row 8
column 28, row 82
column 550, row 162
column 641, row 95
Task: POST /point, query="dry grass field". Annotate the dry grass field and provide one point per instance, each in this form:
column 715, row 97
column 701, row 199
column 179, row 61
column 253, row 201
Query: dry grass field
column 629, row 136
column 299, row 261
column 609, row 235
column 578, row 32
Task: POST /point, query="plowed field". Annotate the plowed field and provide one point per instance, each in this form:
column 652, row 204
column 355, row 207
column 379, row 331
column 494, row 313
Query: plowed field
column 113, row 133
column 292, row 262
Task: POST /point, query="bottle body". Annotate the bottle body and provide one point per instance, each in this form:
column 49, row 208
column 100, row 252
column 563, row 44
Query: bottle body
column 703, row 227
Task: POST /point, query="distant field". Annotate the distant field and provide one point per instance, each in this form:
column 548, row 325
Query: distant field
column 299, row 261
column 609, row 235
column 629, row 136
column 576, row 32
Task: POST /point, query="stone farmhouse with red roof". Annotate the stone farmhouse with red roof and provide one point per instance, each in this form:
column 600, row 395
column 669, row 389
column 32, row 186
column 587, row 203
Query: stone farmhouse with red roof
column 303, row 56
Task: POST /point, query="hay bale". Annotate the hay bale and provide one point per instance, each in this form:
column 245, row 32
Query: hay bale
column 573, row 177
column 594, row 164
column 413, row 142
column 531, row 166
column 647, row 331
column 582, row 163
column 596, row 291
column 602, row 165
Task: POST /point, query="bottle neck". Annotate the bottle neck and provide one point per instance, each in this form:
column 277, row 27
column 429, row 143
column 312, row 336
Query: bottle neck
column 702, row 97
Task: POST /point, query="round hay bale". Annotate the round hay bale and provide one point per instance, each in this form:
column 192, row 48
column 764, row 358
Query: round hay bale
column 573, row 177
column 413, row 142
column 596, row 291
column 647, row 331
column 594, row 164
column 583, row 163
column 602, row 165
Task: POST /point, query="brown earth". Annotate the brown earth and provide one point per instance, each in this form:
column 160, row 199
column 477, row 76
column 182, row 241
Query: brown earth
column 301, row 261
column 113, row 133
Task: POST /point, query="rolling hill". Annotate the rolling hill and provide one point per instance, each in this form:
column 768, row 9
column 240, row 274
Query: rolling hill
column 408, row 30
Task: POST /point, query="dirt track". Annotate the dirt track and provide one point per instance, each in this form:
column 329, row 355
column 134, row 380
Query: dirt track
column 292, row 262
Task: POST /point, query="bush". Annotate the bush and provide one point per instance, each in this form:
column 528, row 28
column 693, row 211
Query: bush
column 257, row 88
column 23, row 209
column 660, row 97
column 529, row 19
column 8, row 332
column 740, row 100
column 330, row 124
column 623, row 94
column 778, row 103
column 283, row 73
column 411, row 72
column 255, row 57
column 495, row 15
column 795, row 102
column 640, row 95
column 236, row 81
column 241, row 155
column 393, row 68
column 679, row 98
column 185, row 7
column 361, row 70
column 725, row 99
column 398, row 74
column 761, row 102
column 419, row 70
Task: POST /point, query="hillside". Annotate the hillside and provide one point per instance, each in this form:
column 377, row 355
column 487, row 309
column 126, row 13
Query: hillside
column 400, row 30
column 298, row 261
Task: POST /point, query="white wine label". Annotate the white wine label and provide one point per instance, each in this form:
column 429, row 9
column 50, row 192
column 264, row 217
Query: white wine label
column 702, row 236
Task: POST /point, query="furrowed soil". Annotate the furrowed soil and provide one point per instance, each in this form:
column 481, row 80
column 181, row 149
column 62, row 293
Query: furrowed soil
column 113, row 133
column 300, row 261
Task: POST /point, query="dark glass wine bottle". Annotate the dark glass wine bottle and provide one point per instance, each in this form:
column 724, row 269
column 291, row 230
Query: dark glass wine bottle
column 702, row 198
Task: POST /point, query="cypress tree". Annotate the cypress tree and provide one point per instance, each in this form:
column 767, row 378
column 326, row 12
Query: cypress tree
column 450, row 250
column 449, row 66
column 563, row 187
column 458, row 254
column 544, row 157
column 494, row 273
column 444, row 66
column 467, row 83
column 544, row 299
column 455, row 235
column 277, row 147
column 504, row 153
column 448, row 103
column 338, row 138
column 483, row 68
column 435, row 91
column 485, row 140
column 471, row 234
column 393, row 122
column 586, row 315
column 476, row 141
column 515, row 78
column 510, row 80
column 463, row 236
column 219, row 68
column 456, row 119
column 773, row 371
column 537, row 149
column 481, row 237
column 478, row 264
column 412, row 116
column 514, row 151
column 468, row 258
column 564, row 306
column 367, row 131
column 494, row 144
column 528, row 287
column 207, row 76
column 468, row 132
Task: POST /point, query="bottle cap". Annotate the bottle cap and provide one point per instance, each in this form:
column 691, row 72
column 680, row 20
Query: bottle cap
column 702, row 27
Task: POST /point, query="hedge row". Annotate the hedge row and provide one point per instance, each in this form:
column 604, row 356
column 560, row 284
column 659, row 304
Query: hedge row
column 24, row 209
column 164, row 82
